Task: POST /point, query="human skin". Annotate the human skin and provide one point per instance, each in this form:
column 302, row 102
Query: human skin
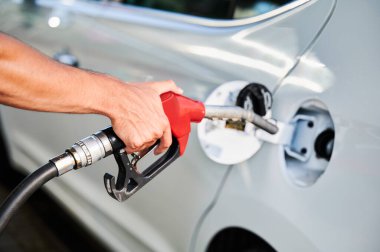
column 30, row 80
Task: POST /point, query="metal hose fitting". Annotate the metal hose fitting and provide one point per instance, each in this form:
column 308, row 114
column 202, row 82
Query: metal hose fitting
column 84, row 153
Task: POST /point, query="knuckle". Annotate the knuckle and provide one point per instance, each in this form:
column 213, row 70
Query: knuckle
column 165, row 124
column 135, row 144
column 158, row 132
column 130, row 144
column 139, row 144
column 129, row 150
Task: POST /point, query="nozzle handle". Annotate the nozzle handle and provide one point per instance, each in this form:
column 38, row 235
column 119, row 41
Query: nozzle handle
column 129, row 180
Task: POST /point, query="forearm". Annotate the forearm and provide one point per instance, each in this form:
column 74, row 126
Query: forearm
column 30, row 80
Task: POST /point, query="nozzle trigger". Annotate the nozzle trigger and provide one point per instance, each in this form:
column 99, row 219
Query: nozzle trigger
column 129, row 180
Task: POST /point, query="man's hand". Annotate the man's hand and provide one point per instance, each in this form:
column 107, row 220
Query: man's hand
column 138, row 117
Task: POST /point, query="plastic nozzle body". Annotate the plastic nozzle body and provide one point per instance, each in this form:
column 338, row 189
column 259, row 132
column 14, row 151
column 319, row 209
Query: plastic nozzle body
column 181, row 112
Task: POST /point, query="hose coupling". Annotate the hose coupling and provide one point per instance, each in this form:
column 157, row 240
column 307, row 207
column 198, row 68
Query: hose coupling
column 83, row 153
column 91, row 149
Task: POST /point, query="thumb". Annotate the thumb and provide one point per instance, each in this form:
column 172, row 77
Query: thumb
column 166, row 86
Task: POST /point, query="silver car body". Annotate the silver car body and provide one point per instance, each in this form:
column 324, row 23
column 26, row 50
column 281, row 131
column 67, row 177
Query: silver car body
column 319, row 49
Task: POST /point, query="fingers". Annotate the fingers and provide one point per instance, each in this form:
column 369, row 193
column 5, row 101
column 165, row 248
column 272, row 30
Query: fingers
column 139, row 147
column 166, row 141
column 166, row 86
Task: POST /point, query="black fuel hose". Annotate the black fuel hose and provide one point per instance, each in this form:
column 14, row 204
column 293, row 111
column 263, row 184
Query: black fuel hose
column 24, row 190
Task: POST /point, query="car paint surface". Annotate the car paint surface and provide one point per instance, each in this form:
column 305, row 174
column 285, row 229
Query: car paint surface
column 195, row 194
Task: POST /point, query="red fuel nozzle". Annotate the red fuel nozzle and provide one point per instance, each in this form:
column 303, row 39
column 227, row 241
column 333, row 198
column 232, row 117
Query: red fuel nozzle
column 181, row 111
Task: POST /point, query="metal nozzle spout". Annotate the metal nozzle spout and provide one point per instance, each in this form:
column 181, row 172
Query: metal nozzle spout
column 235, row 112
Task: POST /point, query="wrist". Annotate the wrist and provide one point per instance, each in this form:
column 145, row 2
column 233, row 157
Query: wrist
column 104, row 94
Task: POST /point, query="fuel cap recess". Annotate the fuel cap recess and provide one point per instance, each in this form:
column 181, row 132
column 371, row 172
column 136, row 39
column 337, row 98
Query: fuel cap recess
column 231, row 142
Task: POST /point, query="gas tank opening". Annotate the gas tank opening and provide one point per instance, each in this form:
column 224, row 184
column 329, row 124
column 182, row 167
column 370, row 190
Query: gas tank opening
column 309, row 152
column 234, row 141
